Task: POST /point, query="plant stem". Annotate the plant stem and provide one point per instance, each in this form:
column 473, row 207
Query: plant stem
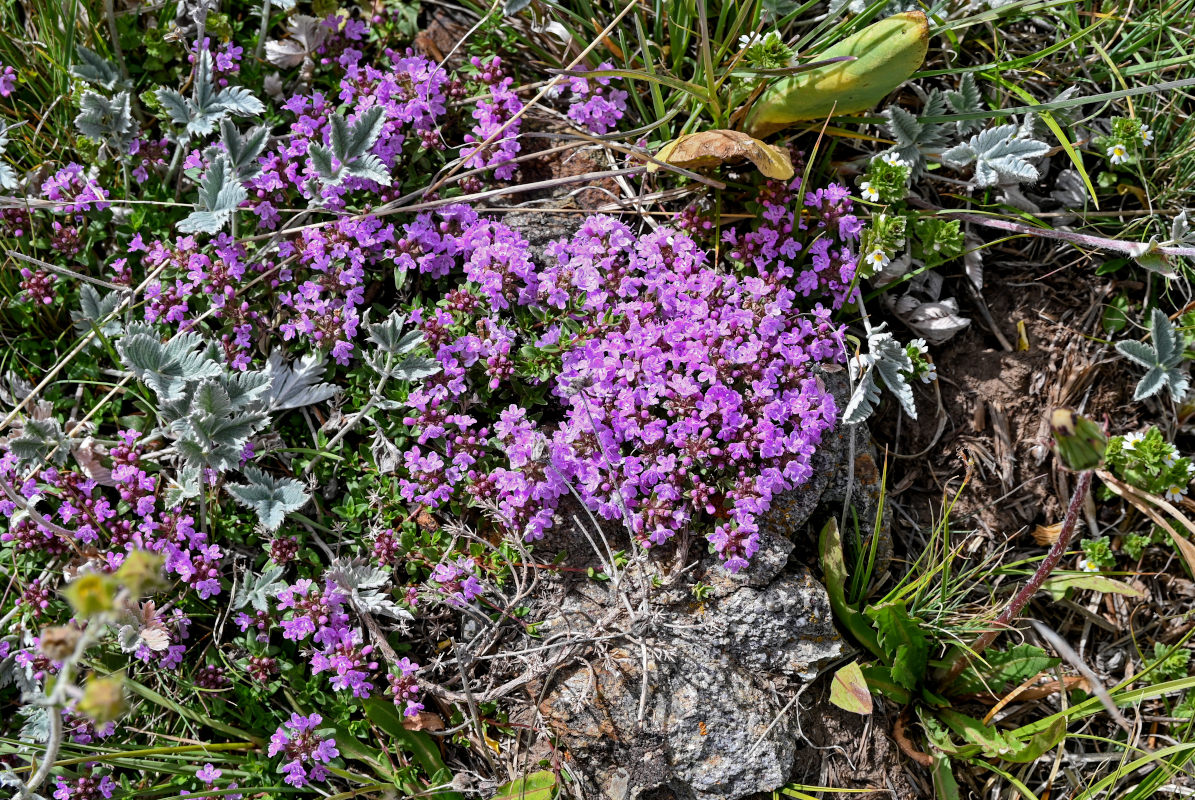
column 961, row 660
column 262, row 30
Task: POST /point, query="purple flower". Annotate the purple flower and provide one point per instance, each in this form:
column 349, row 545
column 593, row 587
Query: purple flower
column 208, row 774
column 306, row 752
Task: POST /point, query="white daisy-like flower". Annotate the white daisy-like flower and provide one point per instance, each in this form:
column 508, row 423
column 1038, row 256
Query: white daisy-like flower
column 1190, row 470
column 930, row 374
column 868, row 192
column 1146, row 135
column 894, row 160
column 1175, row 492
column 1171, row 457
column 1087, row 566
column 1131, row 440
column 920, row 345
column 877, row 259
column 1118, row 154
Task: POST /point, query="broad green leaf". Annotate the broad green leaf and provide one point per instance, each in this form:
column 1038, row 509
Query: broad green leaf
column 992, row 742
column 885, row 54
column 904, row 643
column 536, row 786
column 879, row 679
column 1039, row 744
column 385, row 715
column 849, row 690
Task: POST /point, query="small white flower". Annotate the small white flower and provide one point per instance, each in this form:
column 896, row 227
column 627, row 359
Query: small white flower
column 1190, row 470
column 1146, row 135
column 1131, row 440
column 1118, row 154
column 877, row 259
column 1175, row 492
column 868, row 192
column 1087, row 566
column 930, row 374
column 894, row 160
column 919, row 345
column 1171, row 456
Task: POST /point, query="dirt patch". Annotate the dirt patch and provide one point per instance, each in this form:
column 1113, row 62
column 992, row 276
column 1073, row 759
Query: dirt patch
column 987, row 419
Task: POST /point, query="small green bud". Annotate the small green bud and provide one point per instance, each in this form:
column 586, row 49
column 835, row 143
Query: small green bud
column 140, row 571
column 1078, row 441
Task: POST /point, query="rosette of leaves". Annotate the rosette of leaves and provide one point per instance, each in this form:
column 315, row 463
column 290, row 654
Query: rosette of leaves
column 270, row 498
column 1162, row 359
column 349, row 154
column 212, row 412
column 393, row 356
column 199, row 114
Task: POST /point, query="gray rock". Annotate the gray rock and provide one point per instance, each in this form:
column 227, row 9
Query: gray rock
column 664, row 695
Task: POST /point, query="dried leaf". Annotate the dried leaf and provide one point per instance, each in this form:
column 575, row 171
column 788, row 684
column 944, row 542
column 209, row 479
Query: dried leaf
column 935, row 322
column 711, row 148
column 1047, row 534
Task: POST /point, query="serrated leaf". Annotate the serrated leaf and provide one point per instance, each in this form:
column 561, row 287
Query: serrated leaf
column 258, row 591
column 321, row 159
column 340, row 137
column 243, row 150
column 107, row 120
column 166, row 368
column 240, row 101
column 849, row 690
column 93, row 308
column 178, row 107
column 211, row 398
column 269, row 497
column 220, row 194
column 863, row 401
column 365, row 132
column 1003, row 668
column 903, row 641
column 998, row 155
column 8, row 177
column 1140, row 352
column 369, row 167
column 297, row 384
column 94, row 68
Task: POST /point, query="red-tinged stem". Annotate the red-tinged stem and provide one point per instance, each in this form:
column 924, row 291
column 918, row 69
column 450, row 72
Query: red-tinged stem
column 1029, row 589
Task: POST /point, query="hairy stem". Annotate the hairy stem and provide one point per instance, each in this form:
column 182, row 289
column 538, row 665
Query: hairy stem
column 262, row 30
column 1013, row 609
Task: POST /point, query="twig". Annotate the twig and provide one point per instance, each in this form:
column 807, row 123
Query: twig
column 961, row 660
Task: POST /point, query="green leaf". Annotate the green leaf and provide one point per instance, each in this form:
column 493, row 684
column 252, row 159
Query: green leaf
column 992, row 743
column 1003, row 668
column 905, row 645
column 849, row 690
column 382, row 712
column 1038, row 744
column 879, row 679
column 945, row 786
column 350, row 746
column 834, row 568
column 536, row 786
column 1058, row 585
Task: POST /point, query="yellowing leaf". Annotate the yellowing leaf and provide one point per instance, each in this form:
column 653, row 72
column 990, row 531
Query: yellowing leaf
column 536, row 786
column 849, row 690
column 712, row 148
column 1058, row 585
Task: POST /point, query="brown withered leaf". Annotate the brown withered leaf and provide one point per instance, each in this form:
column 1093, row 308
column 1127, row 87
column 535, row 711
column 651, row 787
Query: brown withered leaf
column 423, row 721
column 711, row 148
column 1047, row 534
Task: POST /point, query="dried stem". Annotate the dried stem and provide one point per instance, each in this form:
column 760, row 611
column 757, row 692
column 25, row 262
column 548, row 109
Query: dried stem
column 1013, row 609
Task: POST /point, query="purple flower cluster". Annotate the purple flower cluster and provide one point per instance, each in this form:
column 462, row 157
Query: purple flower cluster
column 494, row 121
column 594, row 105
column 689, row 394
column 310, row 611
column 88, row 787
column 305, row 751
column 456, row 582
column 403, row 687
